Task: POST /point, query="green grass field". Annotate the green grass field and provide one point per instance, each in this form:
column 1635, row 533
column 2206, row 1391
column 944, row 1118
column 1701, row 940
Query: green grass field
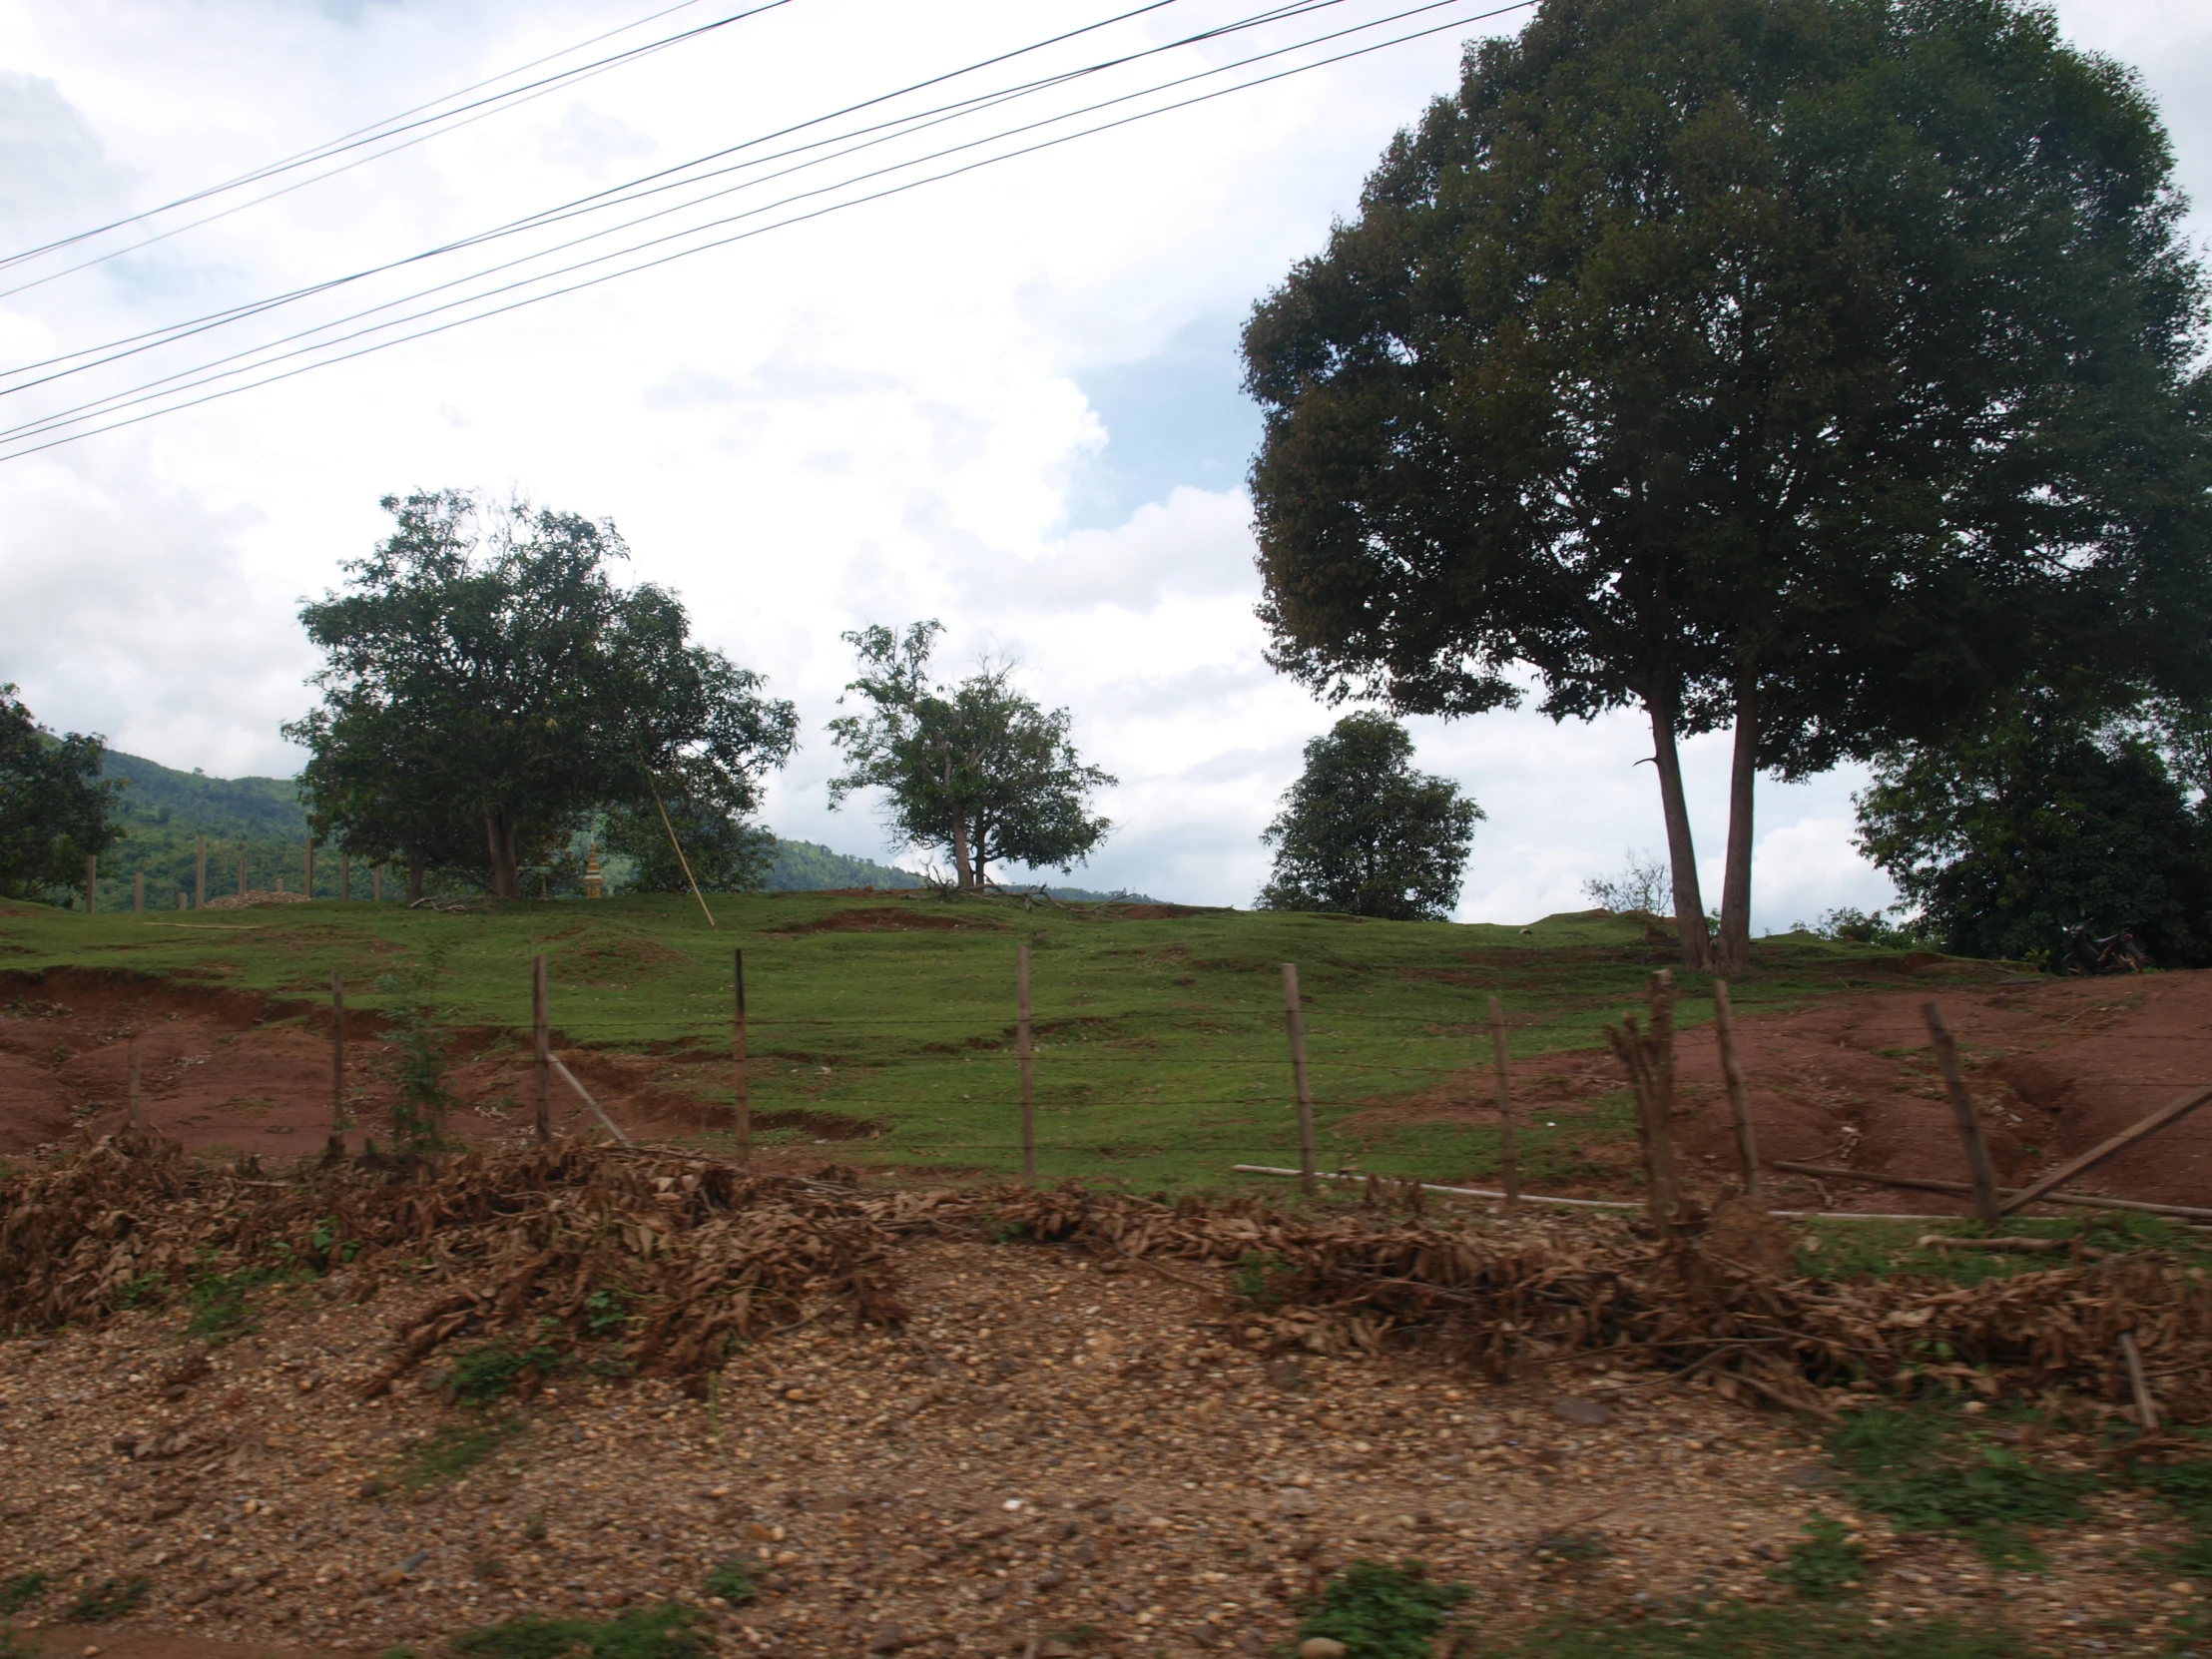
column 1160, row 1052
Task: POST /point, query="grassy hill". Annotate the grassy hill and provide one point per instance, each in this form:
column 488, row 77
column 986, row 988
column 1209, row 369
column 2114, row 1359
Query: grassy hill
column 165, row 812
column 1160, row 1049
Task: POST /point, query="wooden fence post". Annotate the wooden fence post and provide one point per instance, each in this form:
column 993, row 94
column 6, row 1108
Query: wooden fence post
column 1962, row 1107
column 338, row 1065
column 541, row 1038
column 307, row 886
column 1021, row 1054
column 138, row 890
column 1508, row 1155
column 1649, row 1057
column 1309, row 1177
column 133, row 1061
column 182, row 899
column 242, row 873
column 743, row 1081
column 2138, row 1381
column 199, row 874
column 92, row 884
column 1739, row 1098
column 376, row 883
column 345, row 876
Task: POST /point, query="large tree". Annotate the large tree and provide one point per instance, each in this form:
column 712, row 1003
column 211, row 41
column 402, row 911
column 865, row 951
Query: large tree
column 487, row 684
column 53, row 806
column 975, row 770
column 1820, row 367
column 1363, row 832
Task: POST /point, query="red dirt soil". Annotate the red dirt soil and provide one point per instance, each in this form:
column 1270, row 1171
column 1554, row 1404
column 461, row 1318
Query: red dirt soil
column 242, row 1073
column 2056, row 1067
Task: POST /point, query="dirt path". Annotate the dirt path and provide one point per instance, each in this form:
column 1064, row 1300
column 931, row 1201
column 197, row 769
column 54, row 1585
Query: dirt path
column 1050, row 1450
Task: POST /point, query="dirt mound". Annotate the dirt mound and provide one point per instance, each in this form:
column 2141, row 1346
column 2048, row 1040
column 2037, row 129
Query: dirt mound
column 883, row 918
column 235, row 1071
column 2054, row 1065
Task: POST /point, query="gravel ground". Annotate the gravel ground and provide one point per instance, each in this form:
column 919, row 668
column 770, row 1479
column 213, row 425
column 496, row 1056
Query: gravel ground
column 1051, row 1444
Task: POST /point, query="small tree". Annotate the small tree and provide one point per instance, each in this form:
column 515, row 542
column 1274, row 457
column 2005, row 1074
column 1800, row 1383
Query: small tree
column 53, row 805
column 975, row 771
column 2003, row 841
column 1363, row 832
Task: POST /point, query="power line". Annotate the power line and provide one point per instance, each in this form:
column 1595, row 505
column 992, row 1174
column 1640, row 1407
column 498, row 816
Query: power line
column 388, row 127
column 632, row 191
column 117, row 402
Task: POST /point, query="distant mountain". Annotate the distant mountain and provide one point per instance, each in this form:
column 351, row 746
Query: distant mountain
column 164, row 813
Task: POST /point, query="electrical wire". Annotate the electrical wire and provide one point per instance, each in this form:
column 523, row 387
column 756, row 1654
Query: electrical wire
column 389, row 127
column 150, row 391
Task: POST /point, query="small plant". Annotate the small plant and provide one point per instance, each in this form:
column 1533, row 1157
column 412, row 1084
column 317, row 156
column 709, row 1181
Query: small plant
column 606, row 1312
column 1580, row 1548
column 487, row 1569
column 146, row 1290
column 662, row 1632
column 1824, row 1564
column 326, row 1249
column 2188, row 1488
column 1005, row 1232
column 1254, row 1272
column 482, row 1375
column 219, row 1311
column 1927, row 1473
column 110, row 1599
column 454, row 1451
column 533, row 1529
column 416, row 1029
column 731, row 1581
column 1380, row 1611
column 19, row 1592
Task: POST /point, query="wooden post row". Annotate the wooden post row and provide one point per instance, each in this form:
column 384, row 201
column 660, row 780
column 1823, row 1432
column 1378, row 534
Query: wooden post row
column 742, row 1082
column 1021, row 1052
column 199, row 874
column 92, row 885
column 307, row 887
column 242, row 873
column 138, row 890
column 345, row 876
column 1738, row 1097
column 1962, row 1108
column 1509, row 1156
column 1307, row 1172
column 376, row 883
column 541, row 1047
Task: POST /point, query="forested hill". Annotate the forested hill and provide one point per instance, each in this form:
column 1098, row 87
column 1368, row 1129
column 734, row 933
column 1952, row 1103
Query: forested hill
column 163, row 811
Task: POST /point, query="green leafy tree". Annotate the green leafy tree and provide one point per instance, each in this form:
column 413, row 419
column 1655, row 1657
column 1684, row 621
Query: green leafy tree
column 725, row 852
column 54, row 808
column 487, row 684
column 975, row 770
column 2003, row 841
column 1820, row 367
column 1363, row 832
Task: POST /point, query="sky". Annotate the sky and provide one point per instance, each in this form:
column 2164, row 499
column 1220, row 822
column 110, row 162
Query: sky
column 1007, row 400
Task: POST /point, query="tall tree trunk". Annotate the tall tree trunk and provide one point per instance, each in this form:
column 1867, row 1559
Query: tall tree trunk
column 964, row 872
column 499, row 834
column 1743, row 774
column 1689, row 907
column 414, row 880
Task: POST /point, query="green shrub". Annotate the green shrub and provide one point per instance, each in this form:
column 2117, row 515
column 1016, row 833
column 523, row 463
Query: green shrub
column 219, row 1310
column 1928, row 1472
column 110, row 1599
column 454, row 1451
column 1824, row 1564
column 732, row 1581
column 482, row 1375
column 20, row 1591
column 1380, row 1611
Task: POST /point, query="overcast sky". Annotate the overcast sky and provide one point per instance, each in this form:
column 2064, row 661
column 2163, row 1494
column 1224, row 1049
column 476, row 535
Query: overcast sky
column 1008, row 399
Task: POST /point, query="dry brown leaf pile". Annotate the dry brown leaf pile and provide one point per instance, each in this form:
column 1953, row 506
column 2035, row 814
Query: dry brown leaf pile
column 535, row 1245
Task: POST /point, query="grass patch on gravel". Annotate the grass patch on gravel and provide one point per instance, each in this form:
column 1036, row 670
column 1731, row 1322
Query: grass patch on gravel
column 110, row 1598
column 19, row 1592
column 662, row 1632
column 1380, row 1611
column 1824, row 1564
column 452, row 1452
column 1929, row 1470
column 1733, row 1630
column 220, row 1310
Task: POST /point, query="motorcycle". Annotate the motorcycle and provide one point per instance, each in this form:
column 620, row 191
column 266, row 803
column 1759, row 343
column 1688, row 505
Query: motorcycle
column 2086, row 955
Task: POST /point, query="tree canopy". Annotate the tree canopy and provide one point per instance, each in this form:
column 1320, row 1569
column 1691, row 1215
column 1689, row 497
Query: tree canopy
column 54, row 808
column 487, row 684
column 975, row 771
column 2003, row 843
column 1822, row 367
column 1363, row 832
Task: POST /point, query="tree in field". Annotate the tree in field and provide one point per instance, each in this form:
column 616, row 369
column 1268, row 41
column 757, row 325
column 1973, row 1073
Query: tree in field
column 975, row 771
column 723, row 851
column 1820, row 367
column 487, row 685
column 2004, row 842
column 53, row 806
column 1363, row 832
